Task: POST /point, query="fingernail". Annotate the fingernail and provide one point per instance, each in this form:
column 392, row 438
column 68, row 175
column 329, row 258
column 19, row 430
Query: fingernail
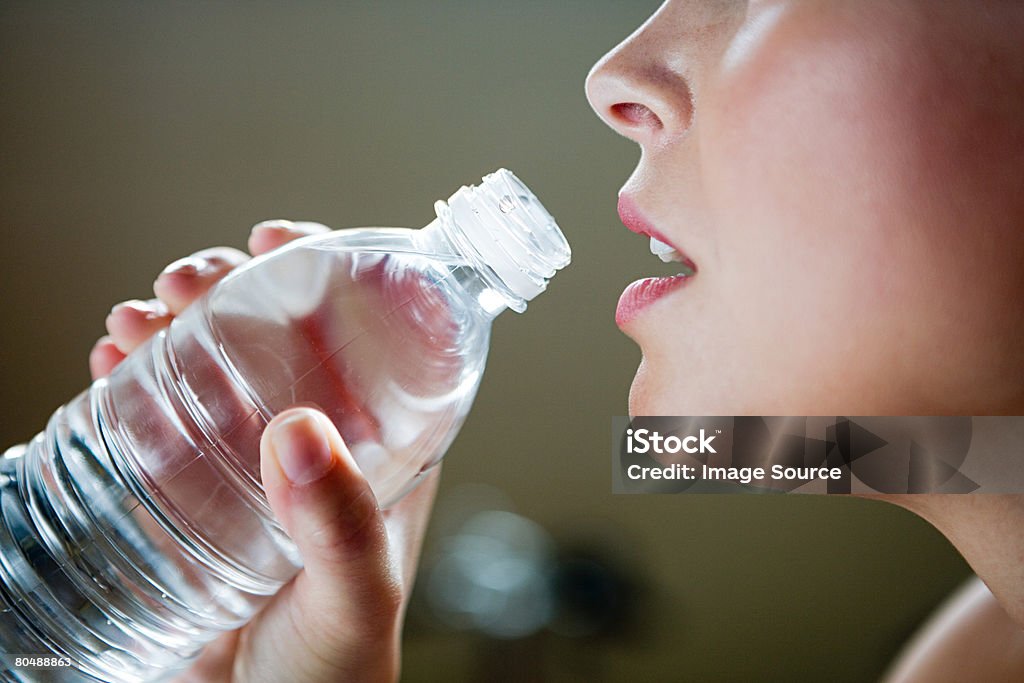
column 308, row 227
column 293, row 227
column 301, row 447
column 151, row 310
column 190, row 265
column 275, row 224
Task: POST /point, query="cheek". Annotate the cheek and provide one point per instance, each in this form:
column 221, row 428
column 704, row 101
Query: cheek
column 839, row 254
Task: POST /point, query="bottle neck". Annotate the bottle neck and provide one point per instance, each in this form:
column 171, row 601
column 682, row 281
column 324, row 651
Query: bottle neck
column 476, row 277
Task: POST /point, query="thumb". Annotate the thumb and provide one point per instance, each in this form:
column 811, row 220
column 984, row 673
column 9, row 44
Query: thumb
column 350, row 592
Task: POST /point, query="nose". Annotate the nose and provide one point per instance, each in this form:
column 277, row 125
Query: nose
column 639, row 88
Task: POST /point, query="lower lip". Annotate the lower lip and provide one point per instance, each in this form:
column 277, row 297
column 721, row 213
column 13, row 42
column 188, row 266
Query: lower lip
column 642, row 293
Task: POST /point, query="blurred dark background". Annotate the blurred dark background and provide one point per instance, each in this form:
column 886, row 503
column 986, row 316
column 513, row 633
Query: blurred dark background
column 135, row 133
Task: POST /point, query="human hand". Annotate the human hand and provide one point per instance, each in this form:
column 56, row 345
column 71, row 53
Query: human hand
column 340, row 618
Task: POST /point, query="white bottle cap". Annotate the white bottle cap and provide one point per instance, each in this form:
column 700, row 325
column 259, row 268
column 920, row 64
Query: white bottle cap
column 510, row 230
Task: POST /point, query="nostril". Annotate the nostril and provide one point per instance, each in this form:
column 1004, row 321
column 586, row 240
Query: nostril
column 636, row 115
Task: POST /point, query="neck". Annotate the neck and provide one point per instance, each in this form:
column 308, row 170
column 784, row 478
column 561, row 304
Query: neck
column 988, row 530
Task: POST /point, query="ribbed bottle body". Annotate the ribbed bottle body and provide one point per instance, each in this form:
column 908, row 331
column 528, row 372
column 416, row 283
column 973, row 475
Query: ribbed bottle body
column 135, row 529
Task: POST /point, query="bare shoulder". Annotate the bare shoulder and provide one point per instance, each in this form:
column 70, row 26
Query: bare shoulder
column 970, row 638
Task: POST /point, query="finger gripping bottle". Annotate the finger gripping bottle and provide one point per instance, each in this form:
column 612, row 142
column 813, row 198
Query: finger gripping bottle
column 134, row 529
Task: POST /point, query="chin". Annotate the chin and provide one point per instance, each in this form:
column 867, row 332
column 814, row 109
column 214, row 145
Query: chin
column 646, row 395
column 637, row 396
column 662, row 389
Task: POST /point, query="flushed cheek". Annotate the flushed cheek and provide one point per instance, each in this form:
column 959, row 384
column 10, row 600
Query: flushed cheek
column 845, row 279
column 810, row 165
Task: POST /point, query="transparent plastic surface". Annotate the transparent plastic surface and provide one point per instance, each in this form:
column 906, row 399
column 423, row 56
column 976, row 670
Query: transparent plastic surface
column 135, row 529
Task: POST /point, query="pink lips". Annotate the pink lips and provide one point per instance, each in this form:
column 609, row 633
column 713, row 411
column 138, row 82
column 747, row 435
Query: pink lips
column 642, row 293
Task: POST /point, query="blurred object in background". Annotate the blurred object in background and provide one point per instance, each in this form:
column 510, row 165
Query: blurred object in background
column 507, row 582
column 495, row 575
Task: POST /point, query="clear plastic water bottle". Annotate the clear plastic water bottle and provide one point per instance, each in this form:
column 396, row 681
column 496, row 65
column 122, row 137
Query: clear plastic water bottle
column 134, row 529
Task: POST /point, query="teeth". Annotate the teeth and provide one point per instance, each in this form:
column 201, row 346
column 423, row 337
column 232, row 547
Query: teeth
column 666, row 252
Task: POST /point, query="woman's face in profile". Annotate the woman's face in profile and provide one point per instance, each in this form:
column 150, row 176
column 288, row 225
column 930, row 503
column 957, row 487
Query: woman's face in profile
column 847, row 179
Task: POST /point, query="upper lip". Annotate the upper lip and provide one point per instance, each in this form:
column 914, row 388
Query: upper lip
column 631, row 217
